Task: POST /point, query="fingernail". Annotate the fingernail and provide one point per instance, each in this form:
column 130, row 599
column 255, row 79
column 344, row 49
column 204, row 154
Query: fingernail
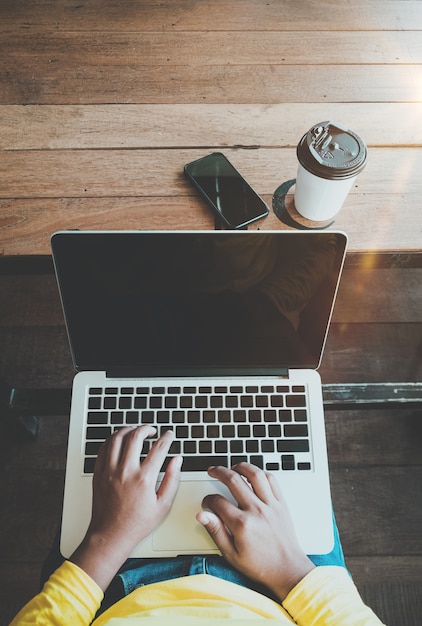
column 203, row 518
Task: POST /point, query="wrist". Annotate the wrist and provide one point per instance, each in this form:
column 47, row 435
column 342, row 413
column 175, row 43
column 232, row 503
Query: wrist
column 292, row 576
column 100, row 557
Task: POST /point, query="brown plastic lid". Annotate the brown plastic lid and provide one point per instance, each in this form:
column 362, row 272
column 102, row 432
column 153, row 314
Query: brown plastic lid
column 331, row 151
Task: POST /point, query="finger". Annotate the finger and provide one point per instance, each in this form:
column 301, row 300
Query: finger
column 225, row 510
column 157, row 455
column 113, row 447
column 170, row 483
column 258, row 480
column 239, row 489
column 101, row 457
column 132, row 442
column 217, row 531
column 275, row 487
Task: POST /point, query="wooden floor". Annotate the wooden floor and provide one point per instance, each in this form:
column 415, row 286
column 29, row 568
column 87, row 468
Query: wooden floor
column 375, row 455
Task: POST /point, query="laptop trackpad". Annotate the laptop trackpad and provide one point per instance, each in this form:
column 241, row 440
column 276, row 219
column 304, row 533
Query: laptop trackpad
column 180, row 531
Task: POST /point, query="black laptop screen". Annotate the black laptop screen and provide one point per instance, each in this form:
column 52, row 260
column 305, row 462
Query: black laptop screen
column 147, row 303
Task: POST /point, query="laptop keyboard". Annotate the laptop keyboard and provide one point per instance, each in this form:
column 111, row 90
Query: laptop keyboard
column 266, row 425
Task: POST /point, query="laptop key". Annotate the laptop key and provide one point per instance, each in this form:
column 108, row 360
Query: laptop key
column 303, row 466
column 132, row 417
column 216, row 402
column 205, row 447
column 252, row 445
column 301, row 415
column 285, row 415
column 94, row 403
column 89, row 465
column 221, row 446
column 202, row 462
column 296, row 430
column 182, row 432
column 296, row 401
column 224, row 416
column 97, row 417
column 236, row 446
column 293, row 445
column 92, row 447
column 98, row 432
column 140, row 402
column 239, row 458
column 288, row 462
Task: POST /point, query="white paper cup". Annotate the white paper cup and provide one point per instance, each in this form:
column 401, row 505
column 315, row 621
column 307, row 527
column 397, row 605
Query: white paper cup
column 330, row 158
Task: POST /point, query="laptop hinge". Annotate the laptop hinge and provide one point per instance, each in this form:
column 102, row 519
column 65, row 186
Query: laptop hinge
column 119, row 372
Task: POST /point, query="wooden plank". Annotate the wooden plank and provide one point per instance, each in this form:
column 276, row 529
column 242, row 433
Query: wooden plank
column 372, row 353
column 187, row 15
column 47, row 454
column 31, row 301
column 217, row 125
column 382, row 437
column 373, row 222
column 395, row 603
column 33, row 498
column 378, row 513
column 379, row 295
column 223, row 84
column 36, row 358
column 385, row 569
column 317, row 47
column 340, row 396
column 19, row 582
column 107, row 173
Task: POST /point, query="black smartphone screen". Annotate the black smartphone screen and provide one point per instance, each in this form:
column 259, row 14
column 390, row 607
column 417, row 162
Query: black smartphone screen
column 226, row 190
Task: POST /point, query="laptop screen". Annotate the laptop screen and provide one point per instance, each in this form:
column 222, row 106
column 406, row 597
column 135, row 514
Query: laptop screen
column 167, row 303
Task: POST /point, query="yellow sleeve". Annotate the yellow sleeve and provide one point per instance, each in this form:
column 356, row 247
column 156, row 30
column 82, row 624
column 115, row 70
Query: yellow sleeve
column 69, row 596
column 327, row 596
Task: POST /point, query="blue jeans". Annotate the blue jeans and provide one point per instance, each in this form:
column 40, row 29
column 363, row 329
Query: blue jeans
column 139, row 572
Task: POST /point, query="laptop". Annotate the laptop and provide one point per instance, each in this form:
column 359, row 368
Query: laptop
column 216, row 335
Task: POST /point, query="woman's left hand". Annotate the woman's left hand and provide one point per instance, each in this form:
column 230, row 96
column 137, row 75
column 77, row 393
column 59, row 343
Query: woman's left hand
column 126, row 506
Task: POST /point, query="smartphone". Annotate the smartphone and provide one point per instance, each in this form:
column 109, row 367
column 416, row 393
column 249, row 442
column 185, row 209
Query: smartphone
column 226, row 191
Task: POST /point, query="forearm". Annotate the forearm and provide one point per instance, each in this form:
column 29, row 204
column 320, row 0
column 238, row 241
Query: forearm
column 100, row 557
column 328, row 597
column 70, row 596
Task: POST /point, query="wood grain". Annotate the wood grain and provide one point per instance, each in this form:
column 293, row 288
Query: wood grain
column 373, row 222
column 56, row 51
column 120, row 83
column 141, row 173
column 223, row 15
column 205, row 126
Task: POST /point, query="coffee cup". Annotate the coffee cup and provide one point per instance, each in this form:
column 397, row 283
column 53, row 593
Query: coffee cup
column 330, row 157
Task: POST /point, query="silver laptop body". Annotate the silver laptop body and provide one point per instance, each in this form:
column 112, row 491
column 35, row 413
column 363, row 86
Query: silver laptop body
column 216, row 335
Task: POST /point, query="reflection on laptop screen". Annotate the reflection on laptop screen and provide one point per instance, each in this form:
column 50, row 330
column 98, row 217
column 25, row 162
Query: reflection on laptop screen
column 157, row 302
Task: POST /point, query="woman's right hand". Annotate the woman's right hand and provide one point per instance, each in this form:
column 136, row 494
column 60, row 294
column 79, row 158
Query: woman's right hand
column 257, row 537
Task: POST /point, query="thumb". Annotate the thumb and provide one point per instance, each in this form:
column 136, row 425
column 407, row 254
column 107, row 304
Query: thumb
column 217, row 531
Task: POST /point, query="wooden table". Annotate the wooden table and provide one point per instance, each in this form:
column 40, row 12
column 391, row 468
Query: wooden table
column 103, row 102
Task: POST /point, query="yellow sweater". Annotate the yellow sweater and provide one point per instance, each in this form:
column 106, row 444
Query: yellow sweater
column 326, row 596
